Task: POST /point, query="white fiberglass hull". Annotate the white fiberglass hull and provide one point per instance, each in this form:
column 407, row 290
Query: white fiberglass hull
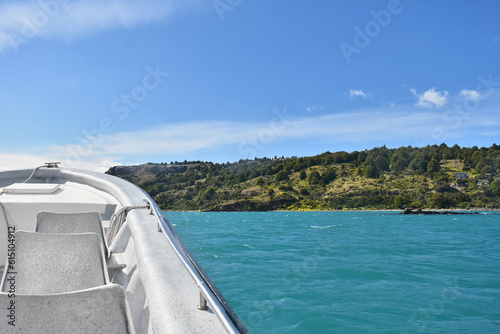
column 164, row 286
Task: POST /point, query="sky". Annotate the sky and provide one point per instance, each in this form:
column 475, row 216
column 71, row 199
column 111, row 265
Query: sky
column 99, row 83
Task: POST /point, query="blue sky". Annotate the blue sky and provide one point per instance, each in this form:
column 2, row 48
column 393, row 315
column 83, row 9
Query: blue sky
column 96, row 83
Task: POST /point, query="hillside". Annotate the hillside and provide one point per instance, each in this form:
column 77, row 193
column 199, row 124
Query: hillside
column 379, row 178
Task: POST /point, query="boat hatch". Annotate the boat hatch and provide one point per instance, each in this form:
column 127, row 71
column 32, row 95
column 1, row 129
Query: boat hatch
column 30, row 188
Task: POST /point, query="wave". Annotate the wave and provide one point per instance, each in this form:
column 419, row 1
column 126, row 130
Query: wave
column 322, row 227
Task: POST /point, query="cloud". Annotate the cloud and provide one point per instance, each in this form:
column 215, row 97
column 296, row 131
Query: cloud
column 23, row 21
column 314, row 108
column 12, row 161
column 9, row 161
column 245, row 138
column 233, row 140
column 353, row 93
column 430, row 98
column 471, row 94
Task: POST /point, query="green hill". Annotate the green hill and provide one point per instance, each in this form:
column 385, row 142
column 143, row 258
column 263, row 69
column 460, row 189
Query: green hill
column 379, row 178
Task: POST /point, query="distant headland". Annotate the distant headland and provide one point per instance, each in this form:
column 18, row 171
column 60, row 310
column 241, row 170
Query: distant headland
column 434, row 178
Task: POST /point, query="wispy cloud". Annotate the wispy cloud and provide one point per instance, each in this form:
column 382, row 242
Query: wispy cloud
column 354, row 93
column 22, row 21
column 471, row 94
column 192, row 137
column 314, row 108
column 11, row 161
column 238, row 140
column 430, row 98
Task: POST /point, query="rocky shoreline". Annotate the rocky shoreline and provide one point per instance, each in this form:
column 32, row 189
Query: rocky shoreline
column 408, row 211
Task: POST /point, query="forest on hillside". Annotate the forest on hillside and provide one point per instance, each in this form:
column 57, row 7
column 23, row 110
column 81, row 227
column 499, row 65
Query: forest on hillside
column 436, row 177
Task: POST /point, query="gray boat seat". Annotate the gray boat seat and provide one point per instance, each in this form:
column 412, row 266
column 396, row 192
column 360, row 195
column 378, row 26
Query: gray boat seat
column 67, row 223
column 102, row 309
column 53, row 263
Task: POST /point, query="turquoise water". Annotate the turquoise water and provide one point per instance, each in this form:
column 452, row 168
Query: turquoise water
column 351, row 272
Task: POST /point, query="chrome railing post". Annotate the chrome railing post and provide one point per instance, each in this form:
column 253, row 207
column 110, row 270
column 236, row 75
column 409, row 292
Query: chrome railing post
column 203, row 302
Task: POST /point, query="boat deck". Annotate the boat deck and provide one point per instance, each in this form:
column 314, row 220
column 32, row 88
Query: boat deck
column 163, row 290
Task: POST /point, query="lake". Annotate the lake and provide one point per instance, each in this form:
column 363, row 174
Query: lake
column 351, row 272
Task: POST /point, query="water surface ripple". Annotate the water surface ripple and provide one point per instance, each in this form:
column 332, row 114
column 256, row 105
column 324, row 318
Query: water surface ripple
column 351, row 272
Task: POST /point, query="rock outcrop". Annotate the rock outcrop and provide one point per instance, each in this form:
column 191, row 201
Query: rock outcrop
column 408, row 211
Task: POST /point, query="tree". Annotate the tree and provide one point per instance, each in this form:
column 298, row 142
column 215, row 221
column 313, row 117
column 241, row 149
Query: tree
column 210, row 193
column 370, row 171
column 362, row 156
column 329, row 175
column 433, row 166
column 314, row 177
column 340, row 157
column 478, row 161
column 270, row 192
column 381, row 163
column 438, row 201
column 240, row 178
column 327, row 158
column 260, row 181
column 282, row 176
column 420, row 162
column 303, row 175
column 400, row 202
column 494, row 189
column 400, row 160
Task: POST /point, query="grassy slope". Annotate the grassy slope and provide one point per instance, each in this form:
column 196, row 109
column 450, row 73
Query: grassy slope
column 168, row 186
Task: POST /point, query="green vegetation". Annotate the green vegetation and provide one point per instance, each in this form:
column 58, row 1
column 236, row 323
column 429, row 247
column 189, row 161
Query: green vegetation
column 379, row 178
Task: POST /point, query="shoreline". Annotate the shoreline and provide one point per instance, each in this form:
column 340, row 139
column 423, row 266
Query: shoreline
column 355, row 210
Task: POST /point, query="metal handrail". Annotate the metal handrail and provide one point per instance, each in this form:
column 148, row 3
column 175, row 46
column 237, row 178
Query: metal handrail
column 206, row 285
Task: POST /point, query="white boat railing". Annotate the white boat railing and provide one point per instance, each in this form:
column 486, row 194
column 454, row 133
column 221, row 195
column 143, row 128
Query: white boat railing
column 208, row 291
